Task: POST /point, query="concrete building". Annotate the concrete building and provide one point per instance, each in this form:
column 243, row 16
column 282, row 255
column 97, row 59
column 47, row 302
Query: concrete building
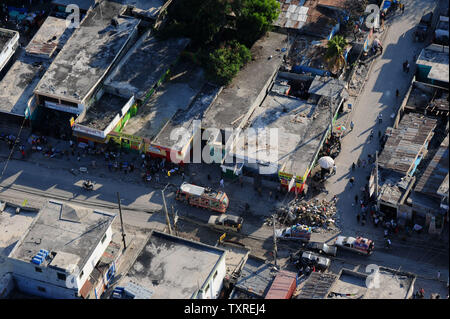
column 60, row 249
column 126, row 90
column 171, row 267
column 403, row 151
column 429, row 201
column 16, row 87
column 432, row 65
column 384, row 283
column 235, row 104
column 301, row 128
column 176, row 94
column 46, row 41
column 75, row 76
column 9, row 41
column 179, row 133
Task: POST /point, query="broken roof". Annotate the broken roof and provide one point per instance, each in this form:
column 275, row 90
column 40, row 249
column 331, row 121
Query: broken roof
column 88, row 55
column 46, row 40
column 183, row 120
column 73, row 232
column 144, row 65
column 176, row 94
column 100, row 115
column 328, row 86
column 236, row 102
column 173, row 267
column 436, row 172
column 436, row 57
column 405, row 143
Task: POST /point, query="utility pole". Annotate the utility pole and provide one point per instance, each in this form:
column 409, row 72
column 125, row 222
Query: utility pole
column 274, row 242
column 165, row 209
column 121, row 222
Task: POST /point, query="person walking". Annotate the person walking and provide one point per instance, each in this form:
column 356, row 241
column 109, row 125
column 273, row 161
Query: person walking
column 438, row 275
column 397, row 93
column 352, row 180
column 352, row 125
column 402, row 6
column 380, row 118
column 222, row 184
column 407, row 67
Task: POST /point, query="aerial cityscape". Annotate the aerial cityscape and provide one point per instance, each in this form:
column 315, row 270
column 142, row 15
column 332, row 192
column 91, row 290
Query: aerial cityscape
column 224, row 149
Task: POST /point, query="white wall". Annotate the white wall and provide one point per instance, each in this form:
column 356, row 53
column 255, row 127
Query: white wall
column 214, row 284
column 95, row 257
column 28, row 279
column 9, row 50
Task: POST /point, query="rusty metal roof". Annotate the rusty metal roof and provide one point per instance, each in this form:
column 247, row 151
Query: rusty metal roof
column 436, row 171
column 405, row 143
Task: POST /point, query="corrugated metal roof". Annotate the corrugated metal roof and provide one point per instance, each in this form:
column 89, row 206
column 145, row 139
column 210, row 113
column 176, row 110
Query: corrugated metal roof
column 436, row 171
column 317, row 286
column 406, row 142
column 283, row 285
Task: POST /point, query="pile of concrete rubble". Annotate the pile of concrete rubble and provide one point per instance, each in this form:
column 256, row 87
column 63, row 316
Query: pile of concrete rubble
column 315, row 213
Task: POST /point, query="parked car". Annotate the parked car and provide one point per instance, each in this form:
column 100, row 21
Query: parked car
column 360, row 245
column 322, row 248
column 311, row 259
column 296, row 232
column 424, row 27
column 226, row 222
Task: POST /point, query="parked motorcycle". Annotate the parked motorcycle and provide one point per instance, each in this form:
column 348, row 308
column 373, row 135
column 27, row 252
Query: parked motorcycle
column 88, row 185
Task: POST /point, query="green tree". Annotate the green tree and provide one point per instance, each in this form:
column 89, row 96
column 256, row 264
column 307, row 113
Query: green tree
column 225, row 62
column 200, row 20
column 335, row 53
column 254, row 18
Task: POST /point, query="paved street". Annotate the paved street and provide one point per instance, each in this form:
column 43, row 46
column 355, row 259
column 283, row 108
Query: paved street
column 38, row 178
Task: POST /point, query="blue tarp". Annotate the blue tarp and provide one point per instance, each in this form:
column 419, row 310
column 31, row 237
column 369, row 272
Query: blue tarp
column 306, row 69
column 386, row 5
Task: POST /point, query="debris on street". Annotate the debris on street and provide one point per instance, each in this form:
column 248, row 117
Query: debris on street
column 315, row 213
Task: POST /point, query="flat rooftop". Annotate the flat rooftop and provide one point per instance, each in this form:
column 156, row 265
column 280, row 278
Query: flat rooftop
column 13, row 226
column 46, row 40
column 391, row 285
column 237, row 101
column 405, row 142
column 17, row 86
column 184, row 119
column 436, row 57
column 254, row 281
column 171, row 267
column 88, row 54
column 144, row 65
column 436, row 172
column 73, row 232
column 292, row 118
column 101, row 114
column 5, row 36
column 176, row 94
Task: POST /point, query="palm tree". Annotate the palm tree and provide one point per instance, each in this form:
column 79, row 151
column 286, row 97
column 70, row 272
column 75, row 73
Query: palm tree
column 335, row 53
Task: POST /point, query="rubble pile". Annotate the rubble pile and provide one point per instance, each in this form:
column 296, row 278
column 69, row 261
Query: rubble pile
column 315, row 213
